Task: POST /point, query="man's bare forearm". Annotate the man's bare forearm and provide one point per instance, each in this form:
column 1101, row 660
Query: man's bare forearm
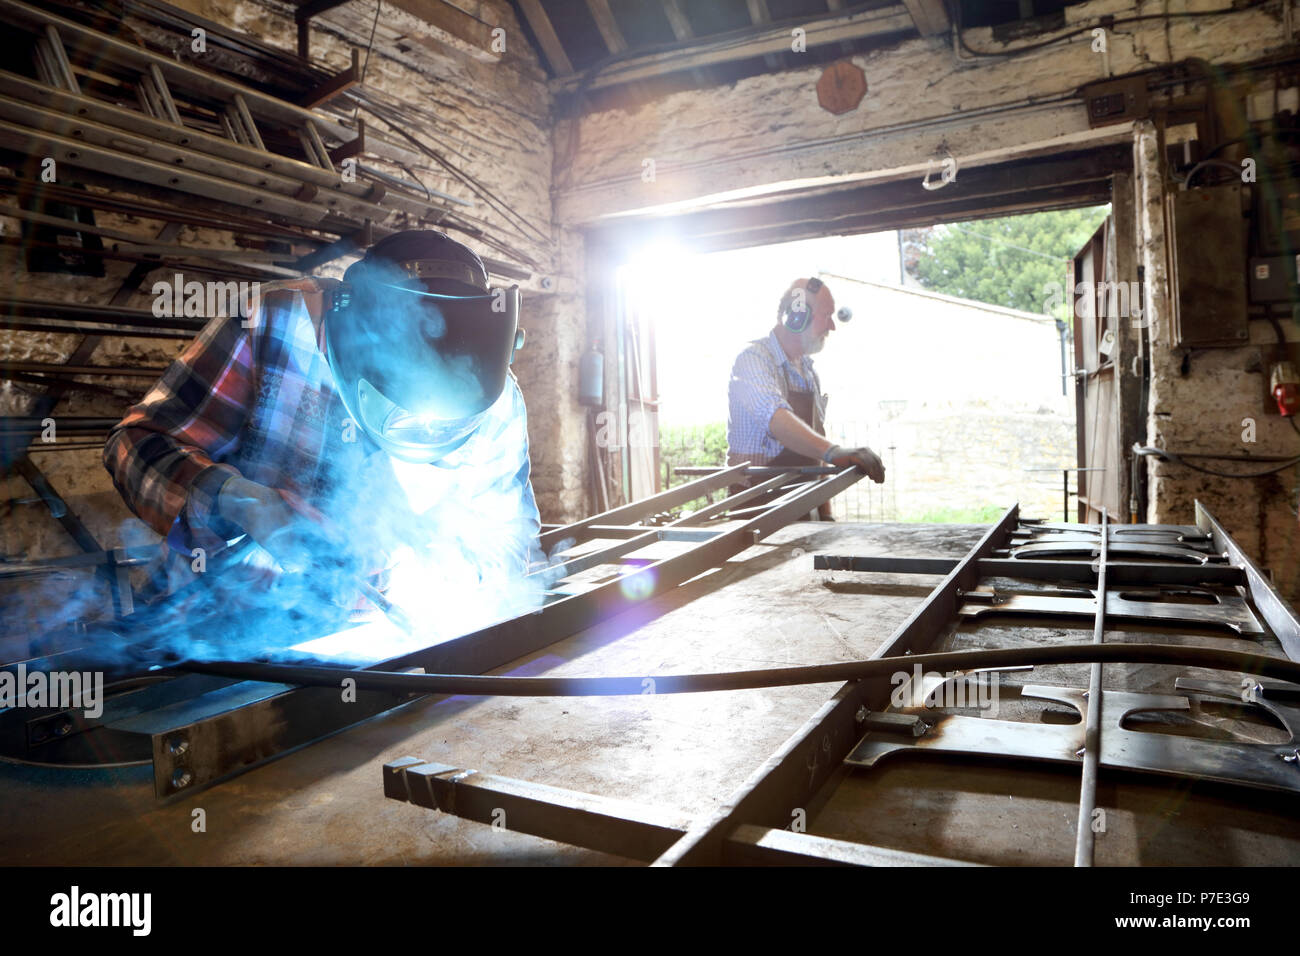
column 794, row 434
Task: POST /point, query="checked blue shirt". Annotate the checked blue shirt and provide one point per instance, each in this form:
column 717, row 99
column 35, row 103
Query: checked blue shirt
column 761, row 381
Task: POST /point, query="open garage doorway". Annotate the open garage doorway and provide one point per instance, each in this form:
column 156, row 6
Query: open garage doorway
column 954, row 366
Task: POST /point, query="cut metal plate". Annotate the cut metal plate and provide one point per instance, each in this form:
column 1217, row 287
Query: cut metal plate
column 1150, row 533
column 1089, row 547
column 1229, row 611
column 1263, row 766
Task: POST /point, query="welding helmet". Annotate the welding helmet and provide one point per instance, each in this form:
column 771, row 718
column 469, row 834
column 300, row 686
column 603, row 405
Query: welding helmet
column 419, row 344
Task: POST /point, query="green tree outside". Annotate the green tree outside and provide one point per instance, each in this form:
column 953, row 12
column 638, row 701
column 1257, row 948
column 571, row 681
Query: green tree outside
column 1014, row 262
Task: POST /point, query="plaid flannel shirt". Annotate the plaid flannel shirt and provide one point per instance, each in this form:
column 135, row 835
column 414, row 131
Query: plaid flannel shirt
column 761, row 380
column 260, row 401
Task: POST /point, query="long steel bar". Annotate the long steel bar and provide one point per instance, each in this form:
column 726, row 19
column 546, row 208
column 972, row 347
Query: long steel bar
column 1275, row 611
column 1083, row 840
column 620, row 827
column 638, row 511
column 803, row 764
column 1080, row 571
column 632, row 685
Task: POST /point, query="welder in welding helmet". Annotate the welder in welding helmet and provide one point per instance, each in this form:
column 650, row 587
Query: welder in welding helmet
column 420, row 344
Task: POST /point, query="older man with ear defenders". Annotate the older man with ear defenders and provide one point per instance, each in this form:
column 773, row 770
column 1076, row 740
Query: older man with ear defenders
column 777, row 410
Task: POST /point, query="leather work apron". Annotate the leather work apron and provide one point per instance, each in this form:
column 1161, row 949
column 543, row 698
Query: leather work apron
column 804, row 406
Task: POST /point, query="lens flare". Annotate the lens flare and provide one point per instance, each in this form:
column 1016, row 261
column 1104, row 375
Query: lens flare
column 638, row 586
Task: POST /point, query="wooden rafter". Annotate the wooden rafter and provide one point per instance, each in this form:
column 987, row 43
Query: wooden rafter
column 677, row 19
column 450, row 27
column 546, row 37
column 605, row 23
column 929, row 16
column 761, row 41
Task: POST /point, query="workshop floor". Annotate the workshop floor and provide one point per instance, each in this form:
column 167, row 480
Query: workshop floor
column 324, row 804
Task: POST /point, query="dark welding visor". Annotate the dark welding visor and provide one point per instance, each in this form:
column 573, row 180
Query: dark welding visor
column 418, row 370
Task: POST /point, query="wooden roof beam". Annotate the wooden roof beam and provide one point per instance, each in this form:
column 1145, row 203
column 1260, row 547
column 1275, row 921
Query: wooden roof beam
column 608, row 27
column 677, row 19
column 546, row 37
column 451, row 27
column 929, row 16
column 730, row 47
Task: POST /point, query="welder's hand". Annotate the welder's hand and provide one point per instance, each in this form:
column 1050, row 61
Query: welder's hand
column 864, row 458
column 296, row 543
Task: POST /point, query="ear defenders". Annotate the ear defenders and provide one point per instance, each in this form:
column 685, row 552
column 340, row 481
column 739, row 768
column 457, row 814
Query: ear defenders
column 797, row 319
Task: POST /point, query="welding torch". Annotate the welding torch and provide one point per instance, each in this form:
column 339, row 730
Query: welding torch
column 390, row 610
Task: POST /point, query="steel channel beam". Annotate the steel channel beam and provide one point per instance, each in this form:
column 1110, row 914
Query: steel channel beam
column 759, row 471
column 1123, row 574
column 73, row 328
column 117, row 557
column 39, row 106
column 79, row 155
column 652, row 535
column 268, row 723
column 638, row 511
column 151, row 209
column 27, row 424
column 101, row 314
column 618, row 531
column 619, row 827
column 1277, row 614
column 794, row 773
column 53, row 368
column 181, row 76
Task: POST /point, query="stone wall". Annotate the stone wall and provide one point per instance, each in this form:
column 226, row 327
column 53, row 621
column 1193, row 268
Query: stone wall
column 946, row 459
column 766, row 132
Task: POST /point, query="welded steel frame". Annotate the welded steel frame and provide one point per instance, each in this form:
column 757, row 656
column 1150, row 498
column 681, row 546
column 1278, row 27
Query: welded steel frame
column 234, row 726
column 751, row 826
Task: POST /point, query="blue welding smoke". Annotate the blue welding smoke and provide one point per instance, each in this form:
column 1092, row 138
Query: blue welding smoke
column 453, row 544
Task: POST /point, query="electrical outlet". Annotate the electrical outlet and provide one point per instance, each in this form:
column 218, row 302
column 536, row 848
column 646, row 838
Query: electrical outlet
column 1115, row 101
